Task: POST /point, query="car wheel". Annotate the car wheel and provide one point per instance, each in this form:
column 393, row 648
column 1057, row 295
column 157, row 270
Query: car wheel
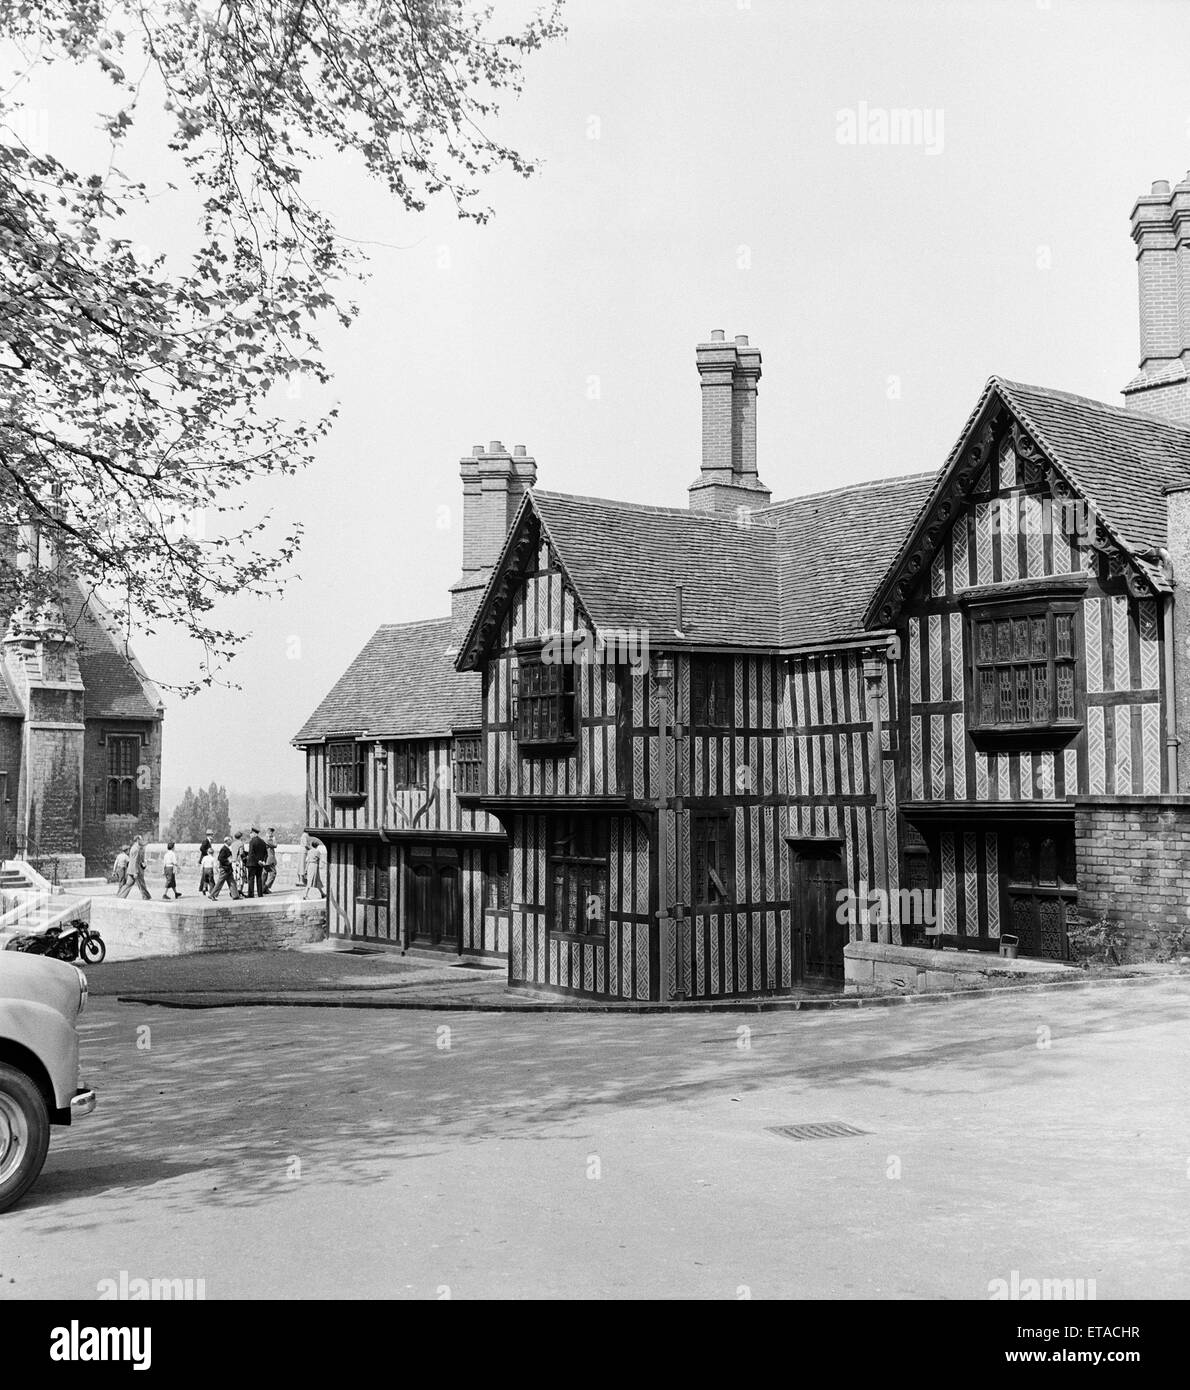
column 24, row 1134
column 94, row 950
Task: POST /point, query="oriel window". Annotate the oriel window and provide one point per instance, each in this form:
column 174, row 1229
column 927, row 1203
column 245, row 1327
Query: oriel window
column 1025, row 667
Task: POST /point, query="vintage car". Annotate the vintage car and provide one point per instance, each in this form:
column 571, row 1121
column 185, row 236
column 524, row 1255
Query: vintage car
column 40, row 1001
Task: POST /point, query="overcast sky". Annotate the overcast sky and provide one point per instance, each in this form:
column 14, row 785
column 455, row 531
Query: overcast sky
column 697, row 175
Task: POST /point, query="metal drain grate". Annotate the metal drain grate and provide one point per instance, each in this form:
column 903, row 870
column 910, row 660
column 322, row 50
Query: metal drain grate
column 831, row 1129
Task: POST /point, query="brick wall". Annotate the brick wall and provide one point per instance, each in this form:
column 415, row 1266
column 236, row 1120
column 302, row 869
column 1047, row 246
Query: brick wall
column 1134, row 865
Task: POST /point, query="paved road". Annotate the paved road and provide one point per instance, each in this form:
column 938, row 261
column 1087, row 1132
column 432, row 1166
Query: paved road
column 301, row 1152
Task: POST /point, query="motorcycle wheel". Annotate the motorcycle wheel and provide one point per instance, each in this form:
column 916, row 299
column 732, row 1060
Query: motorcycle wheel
column 94, row 951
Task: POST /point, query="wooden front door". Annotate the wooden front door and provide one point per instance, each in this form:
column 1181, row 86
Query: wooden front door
column 1039, row 888
column 818, row 878
column 433, row 899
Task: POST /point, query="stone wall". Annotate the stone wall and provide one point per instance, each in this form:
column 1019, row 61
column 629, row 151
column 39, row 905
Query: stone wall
column 875, row 968
column 1133, row 867
column 132, row 930
column 103, row 835
column 54, row 774
column 11, row 731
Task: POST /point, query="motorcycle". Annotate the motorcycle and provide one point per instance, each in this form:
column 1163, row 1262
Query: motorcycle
column 70, row 942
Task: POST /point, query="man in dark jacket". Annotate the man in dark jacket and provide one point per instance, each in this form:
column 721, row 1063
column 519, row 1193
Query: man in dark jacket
column 258, row 854
column 226, row 873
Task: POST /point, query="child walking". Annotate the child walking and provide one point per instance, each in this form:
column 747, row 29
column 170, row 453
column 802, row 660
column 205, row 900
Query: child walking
column 169, row 867
column 206, row 881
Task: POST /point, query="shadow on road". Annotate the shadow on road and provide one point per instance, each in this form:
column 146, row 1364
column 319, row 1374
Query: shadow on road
column 251, row 1098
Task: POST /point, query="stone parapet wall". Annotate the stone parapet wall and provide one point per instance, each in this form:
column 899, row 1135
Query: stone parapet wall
column 134, row 929
column 873, row 968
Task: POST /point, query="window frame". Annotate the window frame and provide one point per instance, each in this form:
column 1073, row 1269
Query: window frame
column 1056, row 727
column 558, row 726
column 411, row 753
column 579, row 845
column 120, row 781
column 380, row 864
column 497, row 879
column 707, row 878
column 467, row 770
column 355, row 783
column 711, row 681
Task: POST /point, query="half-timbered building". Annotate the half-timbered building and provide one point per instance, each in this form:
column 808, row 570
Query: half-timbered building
column 692, row 752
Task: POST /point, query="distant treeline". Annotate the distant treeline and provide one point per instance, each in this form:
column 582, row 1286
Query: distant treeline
column 211, row 808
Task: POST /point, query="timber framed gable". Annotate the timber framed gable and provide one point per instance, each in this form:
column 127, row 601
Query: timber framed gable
column 528, row 551
column 1017, row 500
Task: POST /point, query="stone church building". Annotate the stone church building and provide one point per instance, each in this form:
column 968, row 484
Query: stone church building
column 80, row 739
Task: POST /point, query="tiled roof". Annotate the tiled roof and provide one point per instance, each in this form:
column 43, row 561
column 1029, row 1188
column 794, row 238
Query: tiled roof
column 116, row 686
column 625, row 560
column 402, row 685
column 1119, row 459
column 833, row 548
column 801, row 571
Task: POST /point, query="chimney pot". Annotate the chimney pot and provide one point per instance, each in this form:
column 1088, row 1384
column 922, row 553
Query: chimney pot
column 1161, row 231
column 493, row 485
column 519, row 451
column 717, row 335
column 477, row 451
column 741, row 340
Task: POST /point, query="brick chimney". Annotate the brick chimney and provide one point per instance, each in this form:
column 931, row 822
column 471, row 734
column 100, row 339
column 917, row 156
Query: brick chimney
column 728, row 374
column 1161, row 230
column 494, row 481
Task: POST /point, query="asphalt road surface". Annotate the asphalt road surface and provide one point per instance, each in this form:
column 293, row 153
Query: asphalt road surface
column 298, row 1152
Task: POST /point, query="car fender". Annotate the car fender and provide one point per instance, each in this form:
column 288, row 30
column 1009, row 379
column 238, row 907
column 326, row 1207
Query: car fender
column 51, row 1038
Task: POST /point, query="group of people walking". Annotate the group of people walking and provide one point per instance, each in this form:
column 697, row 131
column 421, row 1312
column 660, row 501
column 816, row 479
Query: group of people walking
column 247, row 867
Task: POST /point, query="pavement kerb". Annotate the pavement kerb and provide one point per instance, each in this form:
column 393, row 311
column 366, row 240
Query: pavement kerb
column 524, row 1003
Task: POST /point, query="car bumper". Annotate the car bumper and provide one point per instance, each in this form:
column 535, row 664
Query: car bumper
column 82, row 1103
